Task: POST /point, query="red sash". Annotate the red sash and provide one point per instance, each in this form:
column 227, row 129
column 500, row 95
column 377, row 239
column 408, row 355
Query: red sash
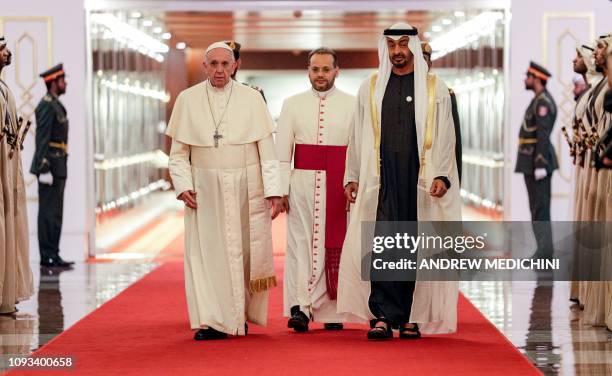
column 331, row 159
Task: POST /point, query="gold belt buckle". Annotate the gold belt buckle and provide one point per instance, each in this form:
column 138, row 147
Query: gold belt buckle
column 526, row 141
column 59, row 145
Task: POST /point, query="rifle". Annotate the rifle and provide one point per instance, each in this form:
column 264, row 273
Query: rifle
column 13, row 138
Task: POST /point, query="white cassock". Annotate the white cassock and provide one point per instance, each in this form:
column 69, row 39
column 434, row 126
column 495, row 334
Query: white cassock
column 434, row 305
column 315, row 120
column 229, row 264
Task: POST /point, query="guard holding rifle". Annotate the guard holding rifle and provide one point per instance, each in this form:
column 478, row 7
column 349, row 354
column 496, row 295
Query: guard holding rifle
column 50, row 166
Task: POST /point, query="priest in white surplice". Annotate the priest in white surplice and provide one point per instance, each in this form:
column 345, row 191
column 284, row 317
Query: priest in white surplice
column 315, row 124
column 400, row 167
column 223, row 165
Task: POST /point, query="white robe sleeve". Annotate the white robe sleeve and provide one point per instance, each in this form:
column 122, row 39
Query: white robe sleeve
column 444, row 144
column 180, row 167
column 269, row 167
column 285, row 140
column 353, row 152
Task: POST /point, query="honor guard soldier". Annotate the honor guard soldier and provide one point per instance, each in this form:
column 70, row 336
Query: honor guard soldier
column 536, row 156
column 235, row 46
column 50, row 166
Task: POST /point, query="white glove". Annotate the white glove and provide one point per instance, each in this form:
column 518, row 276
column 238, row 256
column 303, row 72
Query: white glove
column 45, row 178
column 540, row 173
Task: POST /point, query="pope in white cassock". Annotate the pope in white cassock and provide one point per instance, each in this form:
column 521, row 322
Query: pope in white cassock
column 400, row 167
column 223, row 165
column 313, row 131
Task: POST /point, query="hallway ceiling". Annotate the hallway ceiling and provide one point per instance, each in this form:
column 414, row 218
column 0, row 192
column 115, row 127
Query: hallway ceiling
column 286, row 30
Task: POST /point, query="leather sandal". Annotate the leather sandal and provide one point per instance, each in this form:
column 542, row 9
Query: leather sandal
column 380, row 332
column 409, row 333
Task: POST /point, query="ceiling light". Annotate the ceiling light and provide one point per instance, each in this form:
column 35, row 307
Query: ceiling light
column 147, row 23
column 465, row 33
column 136, row 15
column 446, row 21
column 122, row 31
column 157, row 30
column 166, row 36
column 181, row 46
column 436, row 28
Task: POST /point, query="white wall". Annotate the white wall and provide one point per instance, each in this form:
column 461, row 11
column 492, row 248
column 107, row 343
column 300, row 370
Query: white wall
column 63, row 41
column 551, row 43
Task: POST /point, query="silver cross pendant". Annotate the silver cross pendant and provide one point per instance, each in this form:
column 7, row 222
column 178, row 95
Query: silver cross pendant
column 217, row 137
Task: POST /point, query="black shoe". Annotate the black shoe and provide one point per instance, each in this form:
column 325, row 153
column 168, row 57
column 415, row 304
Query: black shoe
column 409, row 333
column 541, row 256
column 208, row 334
column 55, row 263
column 380, row 332
column 333, row 326
column 298, row 321
column 246, row 329
column 63, row 262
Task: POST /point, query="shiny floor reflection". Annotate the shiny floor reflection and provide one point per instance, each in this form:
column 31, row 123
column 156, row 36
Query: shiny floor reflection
column 540, row 320
column 63, row 297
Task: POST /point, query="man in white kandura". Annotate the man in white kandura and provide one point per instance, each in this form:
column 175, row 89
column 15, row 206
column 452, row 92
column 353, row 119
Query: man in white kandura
column 223, row 165
column 400, row 167
column 315, row 123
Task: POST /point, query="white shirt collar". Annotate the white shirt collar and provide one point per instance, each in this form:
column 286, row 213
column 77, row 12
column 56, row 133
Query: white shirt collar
column 323, row 94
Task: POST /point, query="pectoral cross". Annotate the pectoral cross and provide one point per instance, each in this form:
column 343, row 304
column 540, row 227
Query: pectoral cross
column 217, row 137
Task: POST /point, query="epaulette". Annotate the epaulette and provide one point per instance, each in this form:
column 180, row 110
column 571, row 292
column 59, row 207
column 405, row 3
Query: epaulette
column 545, row 98
column 47, row 98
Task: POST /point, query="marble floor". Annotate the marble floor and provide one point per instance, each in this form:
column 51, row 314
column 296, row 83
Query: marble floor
column 536, row 317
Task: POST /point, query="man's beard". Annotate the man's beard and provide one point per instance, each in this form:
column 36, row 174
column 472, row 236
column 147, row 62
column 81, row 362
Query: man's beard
column 401, row 64
column 328, row 85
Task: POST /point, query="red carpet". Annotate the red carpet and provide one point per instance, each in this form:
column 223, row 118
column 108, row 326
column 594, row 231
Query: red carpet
column 145, row 331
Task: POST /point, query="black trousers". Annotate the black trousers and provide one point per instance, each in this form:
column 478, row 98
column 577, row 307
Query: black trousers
column 391, row 301
column 539, row 192
column 50, row 214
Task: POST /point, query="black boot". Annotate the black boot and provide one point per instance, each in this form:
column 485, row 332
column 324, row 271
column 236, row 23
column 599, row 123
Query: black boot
column 208, row 334
column 298, row 321
column 333, row 326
